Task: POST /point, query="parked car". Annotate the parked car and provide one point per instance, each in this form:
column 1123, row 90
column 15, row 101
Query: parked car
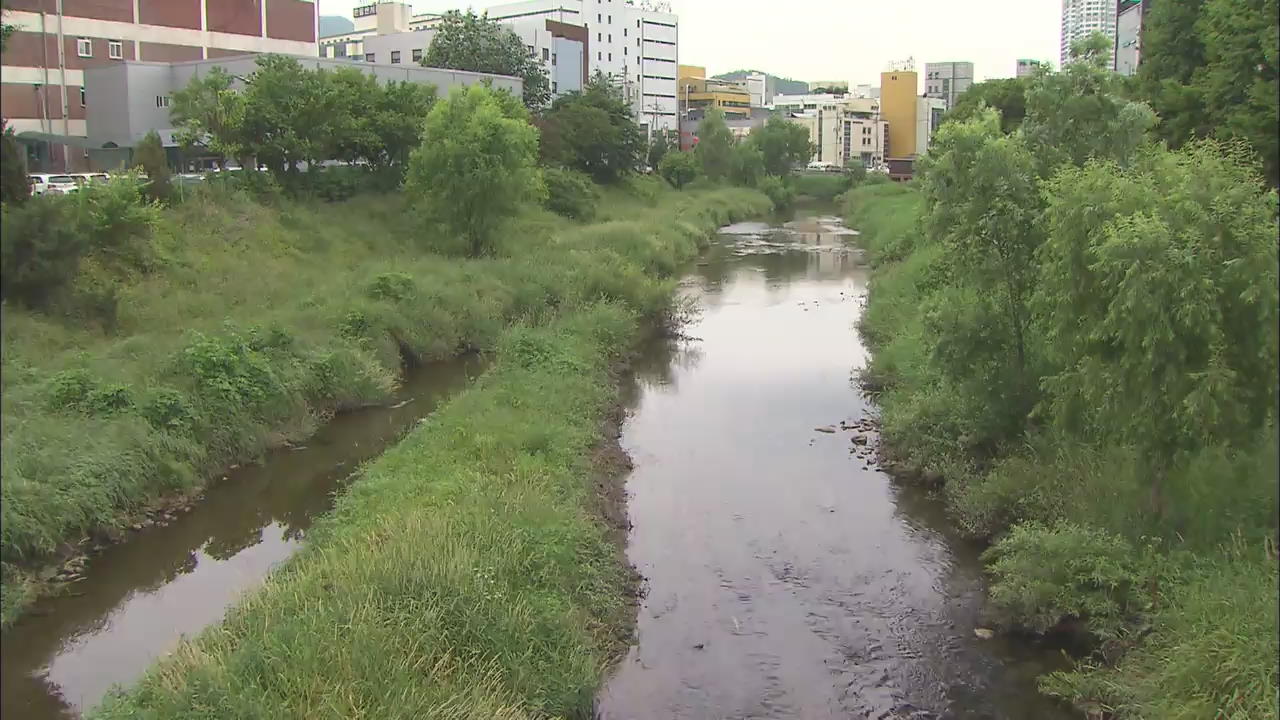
column 42, row 183
column 83, row 178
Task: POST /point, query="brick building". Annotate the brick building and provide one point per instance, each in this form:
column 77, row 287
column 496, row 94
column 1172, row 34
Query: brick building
column 42, row 77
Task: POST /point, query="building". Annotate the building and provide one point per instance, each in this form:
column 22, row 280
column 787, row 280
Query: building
column 929, row 112
column 128, row 99
column 635, row 42
column 561, row 48
column 1128, row 48
column 1028, row 67
column 698, row 93
column 947, row 80
column 1082, row 18
column 843, row 129
column 44, row 94
column 760, row 89
column 898, row 107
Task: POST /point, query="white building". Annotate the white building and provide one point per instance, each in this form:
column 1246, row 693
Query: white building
column 841, row 128
column 1027, row 67
column 947, row 80
column 1082, row 18
column 635, row 44
column 758, row 86
column 929, row 112
column 560, row 47
column 1128, row 49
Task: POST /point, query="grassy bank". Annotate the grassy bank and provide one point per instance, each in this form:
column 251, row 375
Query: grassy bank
column 252, row 323
column 1178, row 592
column 467, row 572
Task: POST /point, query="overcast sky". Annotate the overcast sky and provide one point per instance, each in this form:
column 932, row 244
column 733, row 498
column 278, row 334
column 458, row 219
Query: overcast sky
column 844, row 39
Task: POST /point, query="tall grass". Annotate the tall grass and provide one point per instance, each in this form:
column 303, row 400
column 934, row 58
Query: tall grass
column 465, row 573
column 260, row 321
column 1214, row 601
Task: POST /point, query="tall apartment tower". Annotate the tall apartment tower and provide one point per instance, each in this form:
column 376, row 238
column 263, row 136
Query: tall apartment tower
column 947, row 80
column 42, row 89
column 1081, row 18
column 898, row 107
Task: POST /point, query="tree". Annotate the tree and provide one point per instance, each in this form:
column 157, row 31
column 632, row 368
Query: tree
column 13, row 168
column 1079, row 113
column 466, row 41
column 679, row 168
column 210, row 114
column 150, row 156
column 1007, row 96
column 288, row 115
column 1172, row 50
column 477, row 163
column 659, row 146
column 981, row 191
column 746, row 166
column 397, row 119
column 783, row 144
column 593, row 131
column 715, row 145
column 1158, row 290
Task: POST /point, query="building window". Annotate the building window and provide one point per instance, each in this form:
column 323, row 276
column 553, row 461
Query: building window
column 546, row 54
column 611, row 37
column 115, row 49
column 368, row 57
column 599, row 17
column 417, row 55
column 599, row 55
column 624, row 32
column 555, row 86
column 599, row 37
column 530, row 49
column 610, row 57
column 84, row 47
column 553, row 59
column 81, row 96
column 395, row 57
column 624, row 49
column 610, row 19
column 162, row 101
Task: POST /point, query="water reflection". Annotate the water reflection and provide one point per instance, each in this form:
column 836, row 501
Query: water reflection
column 140, row 597
column 785, row 577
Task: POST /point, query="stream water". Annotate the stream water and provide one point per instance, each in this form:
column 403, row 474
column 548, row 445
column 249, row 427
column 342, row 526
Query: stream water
column 785, row 575
column 138, row 598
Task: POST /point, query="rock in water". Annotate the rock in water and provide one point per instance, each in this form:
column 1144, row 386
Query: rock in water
column 983, row 633
column 827, row 429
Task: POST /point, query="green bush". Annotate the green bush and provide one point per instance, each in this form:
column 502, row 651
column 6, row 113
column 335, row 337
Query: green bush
column 1042, row 575
column 570, row 193
column 40, row 249
column 260, row 185
column 778, row 191
column 150, row 157
column 679, row 168
column 821, row 186
column 391, row 286
column 13, row 168
column 117, row 220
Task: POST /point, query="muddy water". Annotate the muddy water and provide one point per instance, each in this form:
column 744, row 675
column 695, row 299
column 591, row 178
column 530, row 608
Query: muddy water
column 786, row 576
column 140, row 597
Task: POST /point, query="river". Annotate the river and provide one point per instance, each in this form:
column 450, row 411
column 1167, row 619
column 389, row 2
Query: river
column 785, row 576
column 140, row 597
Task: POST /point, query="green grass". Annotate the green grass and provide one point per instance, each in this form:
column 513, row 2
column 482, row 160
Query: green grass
column 1211, row 650
column 260, row 321
column 466, row 573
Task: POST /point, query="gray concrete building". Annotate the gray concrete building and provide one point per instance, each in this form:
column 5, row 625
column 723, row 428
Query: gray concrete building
column 1128, row 49
column 947, row 80
column 126, row 100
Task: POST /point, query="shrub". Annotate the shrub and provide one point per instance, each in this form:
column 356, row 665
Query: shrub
column 117, row 220
column 778, row 190
column 150, row 156
column 570, row 193
column 391, row 286
column 679, row 168
column 1043, row 575
column 40, row 250
column 13, row 169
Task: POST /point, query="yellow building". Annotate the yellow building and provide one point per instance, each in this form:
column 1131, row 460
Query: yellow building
column 696, row 92
column 898, row 90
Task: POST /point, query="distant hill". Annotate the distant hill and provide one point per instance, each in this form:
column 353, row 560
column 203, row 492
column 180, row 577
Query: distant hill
column 781, row 85
column 335, row 25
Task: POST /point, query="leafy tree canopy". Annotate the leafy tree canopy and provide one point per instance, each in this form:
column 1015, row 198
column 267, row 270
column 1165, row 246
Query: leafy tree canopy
column 477, row 163
column 593, row 131
column 783, row 144
column 679, row 168
column 1007, row 96
column 715, row 145
column 467, row 41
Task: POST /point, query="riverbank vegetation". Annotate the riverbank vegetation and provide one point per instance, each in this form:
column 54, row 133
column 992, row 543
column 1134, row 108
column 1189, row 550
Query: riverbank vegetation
column 147, row 347
column 1076, row 335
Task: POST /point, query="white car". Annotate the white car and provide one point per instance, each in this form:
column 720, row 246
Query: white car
column 42, row 183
